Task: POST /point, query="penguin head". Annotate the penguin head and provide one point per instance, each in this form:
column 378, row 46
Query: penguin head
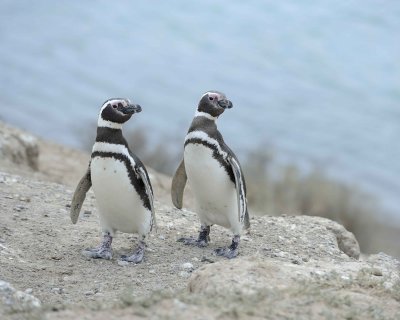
column 115, row 112
column 214, row 103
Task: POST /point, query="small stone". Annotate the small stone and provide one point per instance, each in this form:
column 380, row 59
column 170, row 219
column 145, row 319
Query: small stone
column 19, row 208
column 152, row 271
column 187, row 266
column 162, row 237
column 56, row 290
column 25, row 199
column 376, row 272
column 281, row 254
column 206, row 259
column 89, row 293
column 68, row 205
column 87, row 213
column 29, row 291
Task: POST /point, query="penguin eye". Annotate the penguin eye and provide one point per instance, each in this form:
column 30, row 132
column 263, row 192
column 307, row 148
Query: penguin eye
column 211, row 98
column 114, row 106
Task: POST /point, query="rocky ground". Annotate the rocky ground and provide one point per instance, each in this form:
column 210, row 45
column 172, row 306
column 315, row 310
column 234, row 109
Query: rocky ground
column 291, row 267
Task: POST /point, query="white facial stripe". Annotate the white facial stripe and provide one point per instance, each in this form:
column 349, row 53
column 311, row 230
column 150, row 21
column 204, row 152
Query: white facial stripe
column 204, row 137
column 105, row 123
column 213, row 93
column 114, row 101
column 205, row 114
column 113, row 148
column 204, row 95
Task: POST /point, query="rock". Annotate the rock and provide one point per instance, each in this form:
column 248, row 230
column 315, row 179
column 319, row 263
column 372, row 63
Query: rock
column 13, row 300
column 275, row 286
column 18, row 147
column 346, row 240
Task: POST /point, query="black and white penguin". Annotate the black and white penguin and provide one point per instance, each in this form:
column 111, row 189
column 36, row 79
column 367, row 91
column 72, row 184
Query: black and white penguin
column 120, row 182
column 215, row 175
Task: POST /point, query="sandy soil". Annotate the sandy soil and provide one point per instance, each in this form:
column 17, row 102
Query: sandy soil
column 289, row 267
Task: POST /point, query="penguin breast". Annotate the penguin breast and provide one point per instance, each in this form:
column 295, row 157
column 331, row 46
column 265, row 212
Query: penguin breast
column 214, row 192
column 120, row 206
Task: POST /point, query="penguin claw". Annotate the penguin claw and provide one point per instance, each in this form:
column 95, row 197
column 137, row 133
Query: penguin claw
column 137, row 257
column 193, row 242
column 98, row 253
column 227, row 252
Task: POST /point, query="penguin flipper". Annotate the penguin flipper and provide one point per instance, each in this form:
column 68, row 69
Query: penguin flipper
column 79, row 195
column 149, row 193
column 178, row 185
column 240, row 191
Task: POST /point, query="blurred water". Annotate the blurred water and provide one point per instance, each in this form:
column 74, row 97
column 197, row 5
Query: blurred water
column 318, row 80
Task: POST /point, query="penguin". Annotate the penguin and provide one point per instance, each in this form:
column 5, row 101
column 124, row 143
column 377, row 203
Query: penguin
column 120, row 182
column 215, row 175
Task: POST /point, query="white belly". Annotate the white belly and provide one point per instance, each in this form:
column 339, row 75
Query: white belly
column 120, row 207
column 214, row 192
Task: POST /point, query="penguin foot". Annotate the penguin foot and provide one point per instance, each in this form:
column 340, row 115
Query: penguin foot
column 230, row 252
column 227, row 252
column 103, row 251
column 201, row 243
column 137, row 256
column 98, row 253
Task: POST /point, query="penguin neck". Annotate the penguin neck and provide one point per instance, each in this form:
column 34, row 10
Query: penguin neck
column 108, row 124
column 201, row 123
column 110, row 135
column 205, row 115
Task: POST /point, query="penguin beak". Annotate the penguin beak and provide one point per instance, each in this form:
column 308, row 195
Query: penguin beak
column 225, row 103
column 131, row 109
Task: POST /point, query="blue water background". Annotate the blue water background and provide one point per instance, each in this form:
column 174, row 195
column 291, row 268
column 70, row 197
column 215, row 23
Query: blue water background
column 319, row 81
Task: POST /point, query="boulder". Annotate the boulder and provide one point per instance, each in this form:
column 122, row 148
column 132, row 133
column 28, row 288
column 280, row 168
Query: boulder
column 12, row 300
column 18, row 147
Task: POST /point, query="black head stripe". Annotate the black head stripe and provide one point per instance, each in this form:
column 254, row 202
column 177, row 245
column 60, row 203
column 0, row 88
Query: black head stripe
column 112, row 115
